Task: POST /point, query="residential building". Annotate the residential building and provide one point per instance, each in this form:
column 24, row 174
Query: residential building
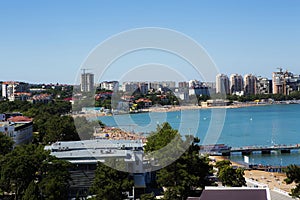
column 143, row 87
column 194, row 83
column 263, row 85
column 278, row 82
column 183, row 84
column 19, row 128
column 13, row 90
column 159, row 85
column 182, row 94
column 130, row 87
column 41, row 98
column 249, row 84
column 110, row 85
column 236, row 84
column 222, row 84
column 87, row 82
column 285, row 82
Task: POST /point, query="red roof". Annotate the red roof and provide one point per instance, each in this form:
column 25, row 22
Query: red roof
column 19, row 119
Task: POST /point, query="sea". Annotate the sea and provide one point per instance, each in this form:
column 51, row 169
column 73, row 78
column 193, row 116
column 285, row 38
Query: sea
column 265, row 125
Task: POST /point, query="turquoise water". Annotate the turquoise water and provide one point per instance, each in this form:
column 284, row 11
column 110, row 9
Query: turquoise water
column 248, row 126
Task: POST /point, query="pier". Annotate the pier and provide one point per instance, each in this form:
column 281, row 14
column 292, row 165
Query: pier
column 247, row 150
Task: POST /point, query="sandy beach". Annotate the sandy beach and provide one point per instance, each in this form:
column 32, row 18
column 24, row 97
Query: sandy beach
column 271, row 179
column 173, row 109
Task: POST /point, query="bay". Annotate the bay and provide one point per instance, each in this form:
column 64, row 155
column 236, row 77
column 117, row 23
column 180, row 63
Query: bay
column 237, row 127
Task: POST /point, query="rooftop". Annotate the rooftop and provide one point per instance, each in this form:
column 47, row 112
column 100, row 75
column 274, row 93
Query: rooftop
column 244, row 193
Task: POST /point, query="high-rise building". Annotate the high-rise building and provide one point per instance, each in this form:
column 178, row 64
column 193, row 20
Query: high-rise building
column 143, row 87
column 87, row 82
column 263, row 85
column 236, row 84
column 277, row 82
column 222, row 84
column 183, row 84
column 130, row 86
column 249, row 84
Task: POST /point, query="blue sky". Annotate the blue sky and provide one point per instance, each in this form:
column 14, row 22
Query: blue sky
column 47, row 41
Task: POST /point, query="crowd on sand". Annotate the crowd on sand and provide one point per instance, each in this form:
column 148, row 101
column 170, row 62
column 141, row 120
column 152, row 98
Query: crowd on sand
column 114, row 133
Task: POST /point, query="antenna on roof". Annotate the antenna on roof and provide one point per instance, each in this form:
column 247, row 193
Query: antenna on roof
column 85, row 69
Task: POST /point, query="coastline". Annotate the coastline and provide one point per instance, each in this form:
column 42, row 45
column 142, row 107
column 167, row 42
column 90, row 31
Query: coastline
column 173, row 109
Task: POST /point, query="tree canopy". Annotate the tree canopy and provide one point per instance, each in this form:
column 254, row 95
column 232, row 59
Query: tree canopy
column 186, row 174
column 6, row 144
column 29, row 170
column 229, row 176
column 293, row 175
column 110, row 183
column 183, row 175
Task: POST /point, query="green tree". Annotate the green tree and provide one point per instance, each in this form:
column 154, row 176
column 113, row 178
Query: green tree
column 110, row 183
column 32, row 192
column 230, row 176
column 148, row 196
column 85, row 128
column 60, row 129
column 188, row 172
column 6, row 144
column 293, row 175
column 181, row 177
column 161, row 137
column 31, row 164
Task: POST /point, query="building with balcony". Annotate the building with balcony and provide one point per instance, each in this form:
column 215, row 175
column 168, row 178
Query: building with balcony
column 263, row 85
column 12, row 90
column 222, row 84
column 285, row 82
column 110, row 85
column 236, row 84
column 249, row 84
column 19, row 128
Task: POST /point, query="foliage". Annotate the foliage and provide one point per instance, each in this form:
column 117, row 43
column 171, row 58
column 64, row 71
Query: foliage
column 32, row 192
column 28, row 165
column 230, row 176
column 110, row 183
column 6, row 144
column 85, row 128
column 148, row 196
column 188, row 172
column 60, row 129
column 160, row 138
column 293, row 175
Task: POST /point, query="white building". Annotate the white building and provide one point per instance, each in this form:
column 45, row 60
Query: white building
column 110, row 85
column 89, row 152
column 10, row 89
column 194, row 83
column 19, row 128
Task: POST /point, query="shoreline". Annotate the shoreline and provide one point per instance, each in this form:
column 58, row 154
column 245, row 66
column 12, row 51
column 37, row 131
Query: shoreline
column 174, row 109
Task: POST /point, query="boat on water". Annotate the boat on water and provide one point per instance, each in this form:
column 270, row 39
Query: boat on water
column 217, row 148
